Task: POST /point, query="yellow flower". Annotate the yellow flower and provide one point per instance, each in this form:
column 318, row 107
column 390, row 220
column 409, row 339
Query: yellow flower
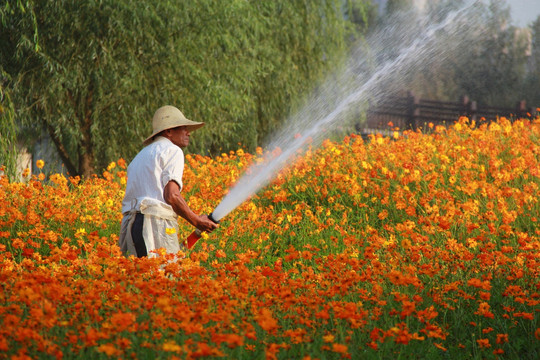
column 108, row 349
column 40, row 164
column 171, row 346
column 328, row 338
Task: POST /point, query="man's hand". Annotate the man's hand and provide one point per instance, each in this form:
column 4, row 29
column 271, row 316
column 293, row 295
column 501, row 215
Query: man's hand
column 206, row 224
column 172, row 196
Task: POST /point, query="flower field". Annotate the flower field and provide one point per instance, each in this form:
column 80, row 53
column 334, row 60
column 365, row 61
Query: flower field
column 423, row 245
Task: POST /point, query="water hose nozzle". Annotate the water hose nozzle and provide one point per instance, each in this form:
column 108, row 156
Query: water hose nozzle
column 196, row 235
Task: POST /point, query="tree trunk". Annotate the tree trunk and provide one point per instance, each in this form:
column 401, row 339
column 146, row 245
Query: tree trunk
column 86, row 164
column 86, row 150
column 62, row 151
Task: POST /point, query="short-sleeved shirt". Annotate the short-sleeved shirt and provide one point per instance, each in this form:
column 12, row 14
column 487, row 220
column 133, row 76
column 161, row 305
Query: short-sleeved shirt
column 149, row 172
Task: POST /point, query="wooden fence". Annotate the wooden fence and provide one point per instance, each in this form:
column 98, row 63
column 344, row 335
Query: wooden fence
column 411, row 113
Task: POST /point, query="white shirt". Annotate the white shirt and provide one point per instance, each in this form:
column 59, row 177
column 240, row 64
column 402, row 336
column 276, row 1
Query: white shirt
column 149, row 172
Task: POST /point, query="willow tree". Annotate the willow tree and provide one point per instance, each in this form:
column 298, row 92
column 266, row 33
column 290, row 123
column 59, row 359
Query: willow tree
column 247, row 64
column 8, row 126
column 531, row 91
column 104, row 66
column 93, row 75
column 8, row 147
column 491, row 72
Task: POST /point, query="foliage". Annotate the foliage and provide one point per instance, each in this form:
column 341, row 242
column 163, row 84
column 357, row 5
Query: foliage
column 531, row 90
column 394, row 7
column 90, row 56
column 103, row 67
column 495, row 61
column 423, row 243
column 8, row 140
column 8, row 145
column 491, row 66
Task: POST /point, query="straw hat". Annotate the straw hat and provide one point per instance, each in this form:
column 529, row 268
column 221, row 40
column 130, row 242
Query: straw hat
column 169, row 117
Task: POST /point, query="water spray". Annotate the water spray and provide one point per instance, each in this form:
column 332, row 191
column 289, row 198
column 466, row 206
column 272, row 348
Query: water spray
column 330, row 104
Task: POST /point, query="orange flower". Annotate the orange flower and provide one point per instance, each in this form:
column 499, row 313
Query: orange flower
column 485, row 285
column 339, row 348
column 375, row 334
column 109, row 350
column 525, row 315
column 502, row 338
column 122, row 321
column 484, row 310
column 121, row 163
column 396, row 277
column 439, row 346
column 483, row 343
column 408, row 308
column 373, row 345
column 487, row 330
column 220, row 254
column 266, row 320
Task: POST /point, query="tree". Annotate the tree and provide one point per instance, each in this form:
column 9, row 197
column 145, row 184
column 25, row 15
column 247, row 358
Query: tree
column 405, row 34
column 103, row 67
column 531, row 90
column 492, row 71
column 478, row 54
column 8, row 148
column 9, row 134
column 86, row 66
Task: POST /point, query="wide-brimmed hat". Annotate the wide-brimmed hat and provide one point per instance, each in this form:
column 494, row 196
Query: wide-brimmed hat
column 169, row 117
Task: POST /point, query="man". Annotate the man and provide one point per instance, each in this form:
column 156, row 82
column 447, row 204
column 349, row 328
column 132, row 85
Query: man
column 153, row 198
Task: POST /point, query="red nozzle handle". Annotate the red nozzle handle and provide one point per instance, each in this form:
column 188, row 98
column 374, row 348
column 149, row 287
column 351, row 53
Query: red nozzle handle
column 193, row 238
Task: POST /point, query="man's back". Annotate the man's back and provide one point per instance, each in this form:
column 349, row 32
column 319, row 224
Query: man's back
column 149, row 172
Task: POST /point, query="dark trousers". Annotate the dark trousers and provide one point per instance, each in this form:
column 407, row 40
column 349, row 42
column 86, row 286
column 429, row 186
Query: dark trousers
column 137, row 235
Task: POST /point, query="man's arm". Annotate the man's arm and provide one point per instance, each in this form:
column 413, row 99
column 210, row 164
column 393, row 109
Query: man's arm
column 172, row 196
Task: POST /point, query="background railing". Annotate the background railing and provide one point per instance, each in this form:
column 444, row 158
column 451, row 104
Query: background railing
column 411, row 112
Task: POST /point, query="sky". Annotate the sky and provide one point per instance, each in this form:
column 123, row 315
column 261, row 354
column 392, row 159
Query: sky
column 524, row 12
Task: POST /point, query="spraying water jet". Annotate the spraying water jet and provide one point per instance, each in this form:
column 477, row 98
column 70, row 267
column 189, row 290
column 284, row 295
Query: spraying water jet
column 354, row 85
